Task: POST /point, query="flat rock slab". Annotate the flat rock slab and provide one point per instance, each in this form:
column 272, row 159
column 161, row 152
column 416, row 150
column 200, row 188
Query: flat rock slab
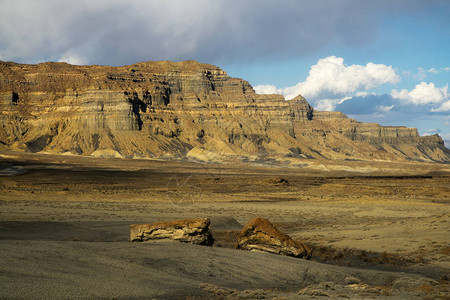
column 194, row 231
column 260, row 235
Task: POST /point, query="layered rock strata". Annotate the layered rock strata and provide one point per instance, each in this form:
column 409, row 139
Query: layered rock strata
column 184, row 109
column 194, row 231
column 260, row 235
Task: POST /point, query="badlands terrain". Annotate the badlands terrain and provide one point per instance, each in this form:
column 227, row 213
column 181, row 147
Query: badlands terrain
column 377, row 229
column 86, row 151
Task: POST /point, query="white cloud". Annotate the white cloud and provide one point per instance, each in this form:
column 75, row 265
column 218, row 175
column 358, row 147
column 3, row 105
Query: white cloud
column 326, row 104
column 421, row 73
column 329, row 104
column 267, row 89
column 330, row 78
column 440, row 70
column 385, row 108
column 446, row 138
column 73, row 59
column 423, row 93
column 331, row 82
column 364, row 94
column 431, row 131
column 444, row 107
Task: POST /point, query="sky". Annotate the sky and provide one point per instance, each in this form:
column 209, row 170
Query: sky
column 382, row 61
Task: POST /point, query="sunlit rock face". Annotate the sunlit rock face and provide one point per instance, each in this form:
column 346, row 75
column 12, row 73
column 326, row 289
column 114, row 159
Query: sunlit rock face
column 194, row 231
column 261, row 235
column 167, row 109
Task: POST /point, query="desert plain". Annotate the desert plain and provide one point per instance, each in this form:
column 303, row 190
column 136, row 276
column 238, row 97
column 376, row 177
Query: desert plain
column 377, row 229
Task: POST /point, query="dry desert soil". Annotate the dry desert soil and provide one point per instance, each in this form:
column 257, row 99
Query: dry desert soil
column 377, row 229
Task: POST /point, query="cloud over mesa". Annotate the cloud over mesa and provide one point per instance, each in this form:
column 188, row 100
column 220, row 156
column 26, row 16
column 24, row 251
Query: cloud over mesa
column 425, row 93
column 331, row 81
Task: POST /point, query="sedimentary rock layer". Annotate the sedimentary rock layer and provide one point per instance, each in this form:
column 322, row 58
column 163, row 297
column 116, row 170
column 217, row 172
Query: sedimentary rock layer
column 260, row 235
column 184, row 109
column 194, row 231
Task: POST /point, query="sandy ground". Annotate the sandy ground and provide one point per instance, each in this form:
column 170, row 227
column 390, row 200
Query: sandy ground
column 64, row 228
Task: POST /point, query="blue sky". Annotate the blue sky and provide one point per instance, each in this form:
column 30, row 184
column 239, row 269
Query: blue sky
column 377, row 61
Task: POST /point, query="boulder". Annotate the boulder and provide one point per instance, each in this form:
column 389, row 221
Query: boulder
column 260, row 235
column 280, row 181
column 195, row 231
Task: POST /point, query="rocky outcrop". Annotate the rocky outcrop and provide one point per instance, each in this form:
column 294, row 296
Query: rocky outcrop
column 260, row 235
column 182, row 110
column 194, row 231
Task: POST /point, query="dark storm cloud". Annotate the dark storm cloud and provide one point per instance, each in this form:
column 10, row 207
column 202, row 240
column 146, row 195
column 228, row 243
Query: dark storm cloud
column 123, row 32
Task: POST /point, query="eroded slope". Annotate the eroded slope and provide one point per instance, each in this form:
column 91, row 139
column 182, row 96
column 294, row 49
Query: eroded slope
column 168, row 109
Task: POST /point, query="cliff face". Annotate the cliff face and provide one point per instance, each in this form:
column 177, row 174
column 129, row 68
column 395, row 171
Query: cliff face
column 166, row 109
